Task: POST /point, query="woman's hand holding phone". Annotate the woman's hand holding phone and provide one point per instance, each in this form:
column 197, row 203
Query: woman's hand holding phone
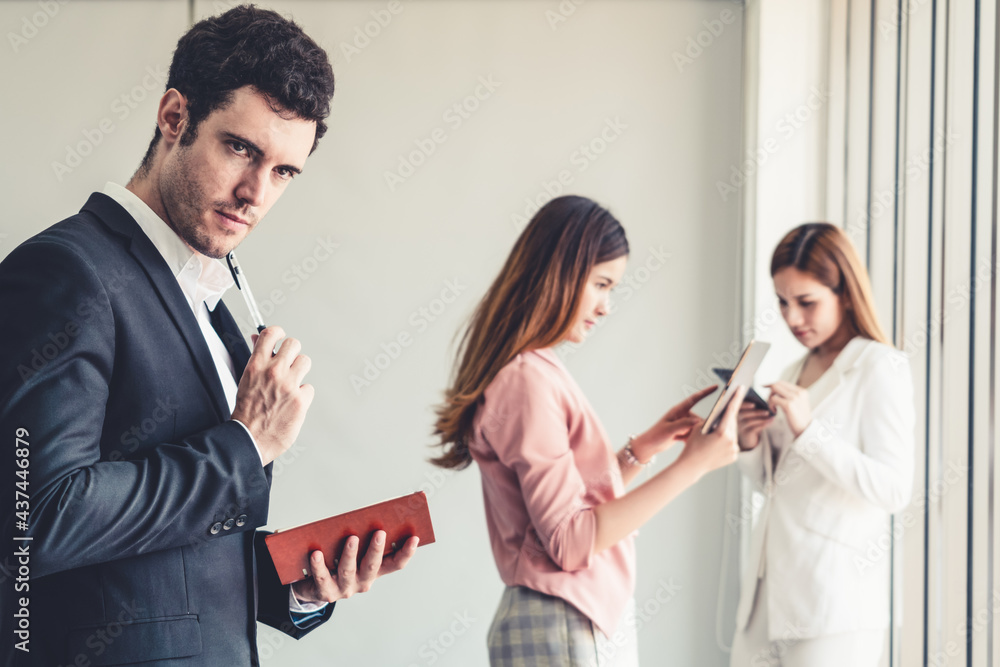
column 675, row 426
column 710, row 451
column 618, row 517
column 749, row 423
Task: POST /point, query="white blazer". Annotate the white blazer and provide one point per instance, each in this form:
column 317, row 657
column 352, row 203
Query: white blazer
column 829, row 497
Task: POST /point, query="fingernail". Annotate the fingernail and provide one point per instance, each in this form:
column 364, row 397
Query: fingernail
column 379, row 537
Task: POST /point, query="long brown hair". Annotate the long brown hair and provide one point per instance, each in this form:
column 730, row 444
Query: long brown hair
column 532, row 304
column 826, row 253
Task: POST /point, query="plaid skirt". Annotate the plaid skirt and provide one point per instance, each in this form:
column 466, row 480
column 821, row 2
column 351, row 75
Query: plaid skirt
column 532, row 629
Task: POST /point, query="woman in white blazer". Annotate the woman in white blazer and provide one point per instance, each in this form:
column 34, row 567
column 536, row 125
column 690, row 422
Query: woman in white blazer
column 832, row 465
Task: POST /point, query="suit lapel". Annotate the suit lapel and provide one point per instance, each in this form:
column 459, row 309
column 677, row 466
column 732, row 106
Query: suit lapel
column 845, row 362
column 824, row 387
column 165, row 283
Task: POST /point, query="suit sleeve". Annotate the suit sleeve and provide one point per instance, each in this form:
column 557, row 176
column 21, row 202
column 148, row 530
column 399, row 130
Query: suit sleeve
column 527, row 427
column 59, row 344
column 879, row 468
column 751, row 464
column 272, row 603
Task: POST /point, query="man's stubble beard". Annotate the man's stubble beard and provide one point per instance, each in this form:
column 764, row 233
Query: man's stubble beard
column 184, row 202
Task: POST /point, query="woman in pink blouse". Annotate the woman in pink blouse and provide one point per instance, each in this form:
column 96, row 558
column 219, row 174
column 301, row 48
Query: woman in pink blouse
column 560, row 521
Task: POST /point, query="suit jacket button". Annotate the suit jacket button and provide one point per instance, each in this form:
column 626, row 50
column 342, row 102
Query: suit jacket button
column 241, row 519
column 216, row 527
column 228, row 524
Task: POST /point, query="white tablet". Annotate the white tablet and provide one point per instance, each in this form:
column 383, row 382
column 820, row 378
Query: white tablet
column 742, row 375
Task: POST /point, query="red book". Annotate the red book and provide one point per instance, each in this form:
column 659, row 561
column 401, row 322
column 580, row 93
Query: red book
column 400, row 518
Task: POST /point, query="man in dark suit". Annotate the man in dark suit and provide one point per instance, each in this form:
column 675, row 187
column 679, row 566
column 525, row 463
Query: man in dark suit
column 144, row 428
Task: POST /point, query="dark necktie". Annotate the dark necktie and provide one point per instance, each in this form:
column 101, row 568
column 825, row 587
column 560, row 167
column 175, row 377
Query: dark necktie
column 229, row 333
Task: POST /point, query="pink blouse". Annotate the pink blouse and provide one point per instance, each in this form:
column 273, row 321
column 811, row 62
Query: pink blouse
column 546, row 462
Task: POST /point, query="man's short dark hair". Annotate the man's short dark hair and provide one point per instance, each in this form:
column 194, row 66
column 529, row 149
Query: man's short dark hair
column 249, row 46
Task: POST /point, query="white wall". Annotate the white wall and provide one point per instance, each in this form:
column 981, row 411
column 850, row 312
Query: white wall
column 786, row 154
column 452, row 220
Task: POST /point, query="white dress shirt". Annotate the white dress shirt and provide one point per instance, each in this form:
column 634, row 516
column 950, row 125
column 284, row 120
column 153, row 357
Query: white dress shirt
column 203, row 280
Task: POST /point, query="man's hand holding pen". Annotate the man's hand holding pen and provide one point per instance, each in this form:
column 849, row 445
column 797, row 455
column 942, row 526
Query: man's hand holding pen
column 271, row 400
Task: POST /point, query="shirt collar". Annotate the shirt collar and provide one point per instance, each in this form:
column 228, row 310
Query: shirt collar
column 550, row 355
column 201, row 278
column 851, row 354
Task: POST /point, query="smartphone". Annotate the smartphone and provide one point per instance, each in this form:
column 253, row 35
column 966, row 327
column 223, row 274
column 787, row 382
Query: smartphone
column 742, row 375
column 751, row 397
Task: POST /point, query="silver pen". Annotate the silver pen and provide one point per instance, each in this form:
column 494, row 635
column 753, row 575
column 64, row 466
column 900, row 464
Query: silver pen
column 244, row 287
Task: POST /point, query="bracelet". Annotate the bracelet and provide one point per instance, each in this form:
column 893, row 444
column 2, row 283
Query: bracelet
column 631, row 458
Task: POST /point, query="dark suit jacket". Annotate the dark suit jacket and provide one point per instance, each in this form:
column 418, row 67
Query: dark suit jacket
column 144, row 497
